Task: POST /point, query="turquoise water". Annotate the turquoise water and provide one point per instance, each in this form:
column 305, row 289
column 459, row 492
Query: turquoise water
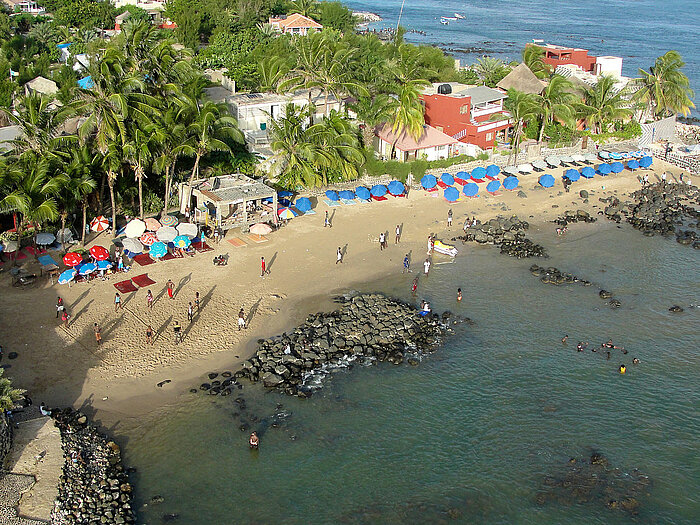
column 477, row 425
column 639, row 30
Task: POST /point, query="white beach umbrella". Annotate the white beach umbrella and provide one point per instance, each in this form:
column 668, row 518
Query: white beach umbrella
column 525, row 168
column 187, row 229
column 578, row 157
column 166, row 234
column 10, row 246
column 590, row 157
column 45, row 238
column 553, row 161
column 566, row 159
column 540, row 164
column 510, row 170
column 133, row 245
column 135, row 228
column 64, row 235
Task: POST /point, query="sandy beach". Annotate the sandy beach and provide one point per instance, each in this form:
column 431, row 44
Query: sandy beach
column 119, row 379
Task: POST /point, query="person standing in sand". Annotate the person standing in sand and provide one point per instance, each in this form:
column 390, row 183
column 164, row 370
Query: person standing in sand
column 98, row 334
column 398, row 234
column 59, row 307
column 64, row 318
column 117, row 302
column 327, row 221
column 449, row 218
column 171, row 288
column 241, row 319
column 196, row 301
column 149, row 300
column 149, row 335
column 426, row 266
column 190, row 312
column 339, row 256
column 382, row 241
column 263, row 269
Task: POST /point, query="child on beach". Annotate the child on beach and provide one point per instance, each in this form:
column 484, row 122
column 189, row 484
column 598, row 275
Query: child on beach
column 449, row 218
column 241, row 319
column 190, row 312
column 262, row 267
column 98, row 334
column 414, row 286
column 149, row 335
column 64, row 318
column 149, row 300
column 117, row 302
column 171, row 288
column 59, row 307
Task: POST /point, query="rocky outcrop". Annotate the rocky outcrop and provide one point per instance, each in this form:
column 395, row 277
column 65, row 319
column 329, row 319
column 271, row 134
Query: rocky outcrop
column 367, row 326
column 508, row 233
column 93, row 487
column 571, row 217
column 553, row 275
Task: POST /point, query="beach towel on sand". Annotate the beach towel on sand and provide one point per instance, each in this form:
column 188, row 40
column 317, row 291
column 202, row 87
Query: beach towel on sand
column 125, row 286
column 143, row 259
column 202, row 246
column 143, row 280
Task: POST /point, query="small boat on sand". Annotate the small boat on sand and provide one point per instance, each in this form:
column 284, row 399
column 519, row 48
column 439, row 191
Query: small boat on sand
column 445, row 249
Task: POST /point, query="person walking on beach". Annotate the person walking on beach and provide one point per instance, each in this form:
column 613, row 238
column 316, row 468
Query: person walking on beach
column 241, row 319
column 64, row 318
column 339, row 256
column 426, row 266
column 149, row 335
column 382, row 241
column 98, row 334
column 262, row 267
column 398, row 234
column 177, row 331
column 171, row 288
column 59, row 307
column 327, row 221
column 149, row 300
column 117, row 302
column 196, row 301
column 414, row 286
column 216, row 235
column 190, row 312
column 406, row 264
column 449, row 218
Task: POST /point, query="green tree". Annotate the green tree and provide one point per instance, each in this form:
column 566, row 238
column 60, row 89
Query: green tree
column 191, row 19
column 335, row 15
column 522, row 107
column 79, row 184
column 603, row 104
column 172, row 128
column 665, row 89
column 372, row 112
column 8, row 395
column 491, row 70
column 308, row 8
column 533, row 58
column 556, row 101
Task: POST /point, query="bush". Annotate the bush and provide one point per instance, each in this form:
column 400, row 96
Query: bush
column 621, row 131
column 418, row 168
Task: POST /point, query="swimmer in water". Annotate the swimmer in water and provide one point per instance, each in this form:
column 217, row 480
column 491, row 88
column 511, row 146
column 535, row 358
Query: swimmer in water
column 459, row 294
column 254, row 441
column 635, row 361
column 564, row 339
column 608, row 354
column 623, row 369
column 579, row 347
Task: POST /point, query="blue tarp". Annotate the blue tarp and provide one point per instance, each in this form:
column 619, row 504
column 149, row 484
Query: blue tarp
column 572, row 174
column 633, row 164
column 428, row 181
column 493, row 170
column 588, row 172
column 86, row 83
column 617, row 167
column 447, row 179
column 604, row 169
column 645, row 162
column 478, row 173
column 346, row 195
column 510, row 183
column 378, row 190
column 303, row 204
column 332, row 195
column 362, row 193
column 284, row 193
column 63, row 46
column 451, row 194
column 396, row 188
column 470, row 189
column 546, row 180
column 492, row 186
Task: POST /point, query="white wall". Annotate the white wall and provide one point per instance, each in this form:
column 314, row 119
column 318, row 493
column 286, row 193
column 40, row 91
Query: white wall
column 609, row 65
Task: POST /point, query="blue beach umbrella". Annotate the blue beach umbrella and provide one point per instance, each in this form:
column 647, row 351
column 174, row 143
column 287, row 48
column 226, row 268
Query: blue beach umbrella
column 87, row 268
column 378, row 190
column 303, row 204
column 493, row 186
column 158, row 249
column 396, row 188
column 633, row 164
column 104, row 265
column 546, row 180
column 182, row 241
column 332, row 195
column 67, row 276
column 588, row 172
column 451, row 194
column 510, row 183
column 572, row 174
column 617, row 167
column 447, row 179
column 479, row 173
column 645, row 162
column 470, row 189
column 492, row 170
column 428, row 181
column 362, row 193
column 284, row 193
column 346, row 195
column 462, row 175
column 604, row 169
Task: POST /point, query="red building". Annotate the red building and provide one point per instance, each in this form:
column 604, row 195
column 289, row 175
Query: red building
column 470, row 114
column 560, row 55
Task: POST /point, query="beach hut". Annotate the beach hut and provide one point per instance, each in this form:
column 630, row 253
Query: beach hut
column 471, row 189
column 633, row 164
column 428, row 182
column 362, row 193
column 493, row 186
column 604, row 169
column 492, row 170
column 397, row 188
column 588, row 172
column 645, row 162
column 332, row 195
column 445, row 178
column 378, row 190
column 617, row 167
column 546, row 180
column 451, row 194
column 510, row 183
column 303, row 204
column 479, row 173
column 572, row 174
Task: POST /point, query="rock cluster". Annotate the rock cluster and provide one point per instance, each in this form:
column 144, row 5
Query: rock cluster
column 93, row 488
column 366, row 326
column 663, row 209
column 593, row 480
column 553, row 275
column 571, row 217
column 506, row 232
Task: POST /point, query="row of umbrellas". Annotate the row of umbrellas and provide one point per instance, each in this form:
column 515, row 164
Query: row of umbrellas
column 471, row 189
column 136, row 227
column 622, row 156
column 395, row 188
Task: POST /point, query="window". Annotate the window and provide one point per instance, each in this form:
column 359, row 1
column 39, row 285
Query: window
column 489, row 136
column 464, row 109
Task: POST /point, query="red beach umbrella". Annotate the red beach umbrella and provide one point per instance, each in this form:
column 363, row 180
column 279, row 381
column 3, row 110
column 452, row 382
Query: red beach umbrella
column 148, row 238
column 99, row 224
column 72, row 259
column 100, row 253
column 152, row 224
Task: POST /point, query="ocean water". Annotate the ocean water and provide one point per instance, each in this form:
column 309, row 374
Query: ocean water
column 469, row 434
column 637, row 30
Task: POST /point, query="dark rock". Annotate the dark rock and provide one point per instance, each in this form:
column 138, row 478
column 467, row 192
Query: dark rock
column 675, row 308
column 604, row 294
column 12, row 355
column 583, row 194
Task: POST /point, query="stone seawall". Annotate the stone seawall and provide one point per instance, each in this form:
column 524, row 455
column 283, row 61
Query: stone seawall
column 5, row 438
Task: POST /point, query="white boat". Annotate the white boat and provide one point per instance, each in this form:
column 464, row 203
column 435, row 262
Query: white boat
column 443, row 248
column 458, row 16
column 444, row 22
column 451, row 18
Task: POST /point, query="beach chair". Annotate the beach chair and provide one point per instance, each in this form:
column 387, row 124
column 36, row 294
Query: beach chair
column 309, row 212
column 331, row 203
column 348, row 202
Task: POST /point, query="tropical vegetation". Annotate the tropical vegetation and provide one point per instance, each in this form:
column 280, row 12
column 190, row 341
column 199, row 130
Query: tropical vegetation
column 8, row 395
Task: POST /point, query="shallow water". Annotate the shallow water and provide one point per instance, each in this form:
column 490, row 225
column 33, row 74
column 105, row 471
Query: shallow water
column 477, row 425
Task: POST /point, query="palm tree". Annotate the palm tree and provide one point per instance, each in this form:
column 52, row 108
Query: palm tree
column 556, row 101
column 8, row 395
column 173, row 132
column 665, row 89
column 491, row 70
column 272, row 70
column 604, row 103
column 522, row 107
column 371, row 111
column 406, row 112
column 308, row 8
column 139, row 151
column 310, row 51
column 533, row 58
column 79, row 184
column 43, row 32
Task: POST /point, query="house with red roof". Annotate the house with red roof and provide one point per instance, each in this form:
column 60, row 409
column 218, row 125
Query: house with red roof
column 431, row 145
column 295, row 24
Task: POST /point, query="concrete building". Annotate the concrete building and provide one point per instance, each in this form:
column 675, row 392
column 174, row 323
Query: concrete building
column 295, row 24
column 41, row 85
column 470, row 114
column 431, row 145
column 25, row 6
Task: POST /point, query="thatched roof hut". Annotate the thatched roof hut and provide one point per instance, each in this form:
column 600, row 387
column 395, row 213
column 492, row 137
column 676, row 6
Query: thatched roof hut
column 522, row 79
